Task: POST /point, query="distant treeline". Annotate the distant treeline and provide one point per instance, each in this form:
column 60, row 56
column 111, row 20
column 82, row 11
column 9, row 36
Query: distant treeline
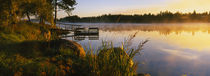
column 166, row 16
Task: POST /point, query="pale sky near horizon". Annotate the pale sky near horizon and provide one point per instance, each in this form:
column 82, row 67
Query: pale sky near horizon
column 86, row 8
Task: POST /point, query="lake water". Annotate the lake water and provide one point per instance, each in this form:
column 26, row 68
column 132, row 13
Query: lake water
column 173, row 49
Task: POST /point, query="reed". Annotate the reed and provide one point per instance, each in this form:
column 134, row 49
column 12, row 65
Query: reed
column 114, row 61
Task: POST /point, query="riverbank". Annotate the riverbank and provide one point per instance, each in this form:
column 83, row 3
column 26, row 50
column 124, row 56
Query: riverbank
column 30, row 49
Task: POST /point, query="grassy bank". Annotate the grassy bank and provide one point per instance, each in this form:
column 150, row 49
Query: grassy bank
column 30, row 49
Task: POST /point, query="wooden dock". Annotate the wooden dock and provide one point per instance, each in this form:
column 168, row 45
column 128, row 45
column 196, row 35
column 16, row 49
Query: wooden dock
column 86, row 31
column 80, row 32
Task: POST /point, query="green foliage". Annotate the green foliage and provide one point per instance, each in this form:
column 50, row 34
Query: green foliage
column 24, row 31
column 67, row 5
column 13, row 10
column 44, row 11
column 8, row 11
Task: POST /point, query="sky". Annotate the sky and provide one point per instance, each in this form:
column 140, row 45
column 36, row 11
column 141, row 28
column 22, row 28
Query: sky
column 86, row 8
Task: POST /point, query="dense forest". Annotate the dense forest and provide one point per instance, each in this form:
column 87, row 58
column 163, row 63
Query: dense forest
column 165, row 16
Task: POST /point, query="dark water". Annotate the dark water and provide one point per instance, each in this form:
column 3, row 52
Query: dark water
column 173, row 49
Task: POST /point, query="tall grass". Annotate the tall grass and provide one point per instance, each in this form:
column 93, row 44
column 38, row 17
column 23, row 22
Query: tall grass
column 114, row 61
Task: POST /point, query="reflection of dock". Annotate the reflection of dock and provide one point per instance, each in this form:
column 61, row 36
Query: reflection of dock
column 86, row 31
column 83, row 37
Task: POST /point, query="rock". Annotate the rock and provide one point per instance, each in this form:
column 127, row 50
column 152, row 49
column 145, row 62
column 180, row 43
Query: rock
column 68, row 44
column 77, row 48
column 143, row 75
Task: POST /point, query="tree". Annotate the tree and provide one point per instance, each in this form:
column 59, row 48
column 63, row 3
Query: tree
column 67, row 5
column 13, row 10
column 4, row 17
column 44, row 11
column 28, row 8
column 10, row 13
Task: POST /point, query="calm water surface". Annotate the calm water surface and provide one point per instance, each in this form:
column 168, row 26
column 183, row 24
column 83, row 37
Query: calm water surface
column 173, row 49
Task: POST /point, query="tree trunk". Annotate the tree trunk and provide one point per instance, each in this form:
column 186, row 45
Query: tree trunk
column 55, row 19
column 41, row 21
column 29, row 19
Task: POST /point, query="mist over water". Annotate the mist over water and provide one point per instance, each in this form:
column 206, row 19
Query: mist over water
column 173, row 49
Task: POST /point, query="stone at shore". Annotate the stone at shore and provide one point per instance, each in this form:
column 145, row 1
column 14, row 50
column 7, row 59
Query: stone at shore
column 143, row 75
column 68, row 44
column 44, row 48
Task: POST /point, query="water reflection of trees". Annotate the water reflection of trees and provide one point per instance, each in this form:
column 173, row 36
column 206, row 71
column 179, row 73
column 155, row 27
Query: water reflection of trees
column 162, row 29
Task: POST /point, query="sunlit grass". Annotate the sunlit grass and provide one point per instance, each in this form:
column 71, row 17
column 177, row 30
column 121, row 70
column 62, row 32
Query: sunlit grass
column 61, row 62
column 114, row 61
